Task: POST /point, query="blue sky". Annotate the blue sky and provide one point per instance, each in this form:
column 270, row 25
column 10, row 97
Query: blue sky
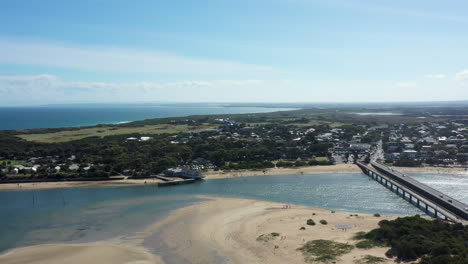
column 55, row 51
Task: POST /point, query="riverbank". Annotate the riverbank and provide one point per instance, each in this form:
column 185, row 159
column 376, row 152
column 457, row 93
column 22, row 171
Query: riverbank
column 339, row 168
column 76, row 184
column 218, row 231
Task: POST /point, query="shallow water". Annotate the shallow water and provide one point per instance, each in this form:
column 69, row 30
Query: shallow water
column 90, row 214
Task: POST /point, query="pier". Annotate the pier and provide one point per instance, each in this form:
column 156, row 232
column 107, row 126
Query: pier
column 177, row 182
column 425, row 198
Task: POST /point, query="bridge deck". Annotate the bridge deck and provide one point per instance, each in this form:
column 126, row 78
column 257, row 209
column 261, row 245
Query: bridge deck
column 450, row 207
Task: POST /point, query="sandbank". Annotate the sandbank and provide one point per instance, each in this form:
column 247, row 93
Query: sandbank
column 226, row 231
column 219, row 230
column 101, row 252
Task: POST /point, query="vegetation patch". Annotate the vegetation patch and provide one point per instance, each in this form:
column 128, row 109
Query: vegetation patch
column 369, row 259
column 412, row 238
column 325, row 251
column 365, row 244
column 103, row 131
column 268, row 237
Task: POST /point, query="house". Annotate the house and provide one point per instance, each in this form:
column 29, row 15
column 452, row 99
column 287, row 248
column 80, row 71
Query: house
column 183, row 172
column 74, row 167
column 409, row 146
column 392, row 156
column 410, row 153
column 360, row 147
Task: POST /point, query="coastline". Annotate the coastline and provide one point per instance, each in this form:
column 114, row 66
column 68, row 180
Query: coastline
column 220, row 229
column 339, row 168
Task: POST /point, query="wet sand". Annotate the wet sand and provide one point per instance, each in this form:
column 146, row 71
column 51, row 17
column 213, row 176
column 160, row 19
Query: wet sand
column 88, row 253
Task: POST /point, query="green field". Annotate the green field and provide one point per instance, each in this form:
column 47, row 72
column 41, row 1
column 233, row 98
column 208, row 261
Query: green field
column 11, row 162
column 68, row 135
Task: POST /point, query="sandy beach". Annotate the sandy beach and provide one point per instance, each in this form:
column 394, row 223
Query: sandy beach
column 230, row 228
column 75, row 184
column 339, row 168
column 219, row 230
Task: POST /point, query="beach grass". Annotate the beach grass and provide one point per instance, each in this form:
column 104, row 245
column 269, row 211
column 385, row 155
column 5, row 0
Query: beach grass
column 369, row 259
column 325, row 251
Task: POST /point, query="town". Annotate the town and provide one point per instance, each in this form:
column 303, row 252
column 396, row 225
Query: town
column 244, row 142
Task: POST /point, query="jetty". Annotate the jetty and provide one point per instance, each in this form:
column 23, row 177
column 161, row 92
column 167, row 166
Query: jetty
column 425, row 198
column 176, row 182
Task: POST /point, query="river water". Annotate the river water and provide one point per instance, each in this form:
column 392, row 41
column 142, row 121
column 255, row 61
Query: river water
column 76, row 215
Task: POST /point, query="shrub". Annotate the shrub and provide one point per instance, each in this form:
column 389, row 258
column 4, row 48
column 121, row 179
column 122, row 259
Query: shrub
column 368, row 259
column 323, row 222
column 414, row 237
column 268, row 237
column 377, row 215
column 366, row 244
column 310, row 222
column 302, row 228
column 324, row 250
column 359, row 235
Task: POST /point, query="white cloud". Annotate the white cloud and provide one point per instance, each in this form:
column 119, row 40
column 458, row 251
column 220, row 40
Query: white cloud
column 50, row 88
column 119, row 60
column 436, row 76
column 462, row 76
column 407, row 85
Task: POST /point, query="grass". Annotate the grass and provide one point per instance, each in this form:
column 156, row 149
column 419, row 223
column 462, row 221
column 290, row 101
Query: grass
column 368, row 259
column 359, row 235
column 325, row 251
column 69, row 135
column 365, row 244
column 11, row 162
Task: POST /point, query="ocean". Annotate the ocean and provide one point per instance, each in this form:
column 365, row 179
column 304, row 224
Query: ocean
column 87, row 115
column 32, row 217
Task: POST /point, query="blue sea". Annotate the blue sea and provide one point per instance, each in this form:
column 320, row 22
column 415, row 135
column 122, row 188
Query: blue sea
column 56, row 116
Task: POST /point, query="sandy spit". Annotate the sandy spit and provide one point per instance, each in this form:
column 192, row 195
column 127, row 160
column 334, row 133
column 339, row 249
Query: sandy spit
column 88, row 253
column 226, row 231
column 219, row 230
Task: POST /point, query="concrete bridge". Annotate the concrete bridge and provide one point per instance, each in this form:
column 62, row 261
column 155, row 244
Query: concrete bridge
column 429, row 200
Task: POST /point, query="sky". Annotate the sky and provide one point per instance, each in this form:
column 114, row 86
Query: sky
column 87, row 51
